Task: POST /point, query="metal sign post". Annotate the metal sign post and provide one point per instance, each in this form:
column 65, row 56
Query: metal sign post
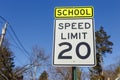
column 74, row 73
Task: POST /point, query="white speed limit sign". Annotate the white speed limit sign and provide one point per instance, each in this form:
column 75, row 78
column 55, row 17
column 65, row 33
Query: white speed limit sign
column 74, row 43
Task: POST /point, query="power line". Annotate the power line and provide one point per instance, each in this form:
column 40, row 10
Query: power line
column 19, row 41
column 17, row 46
column 3, row 19
column 22, row 47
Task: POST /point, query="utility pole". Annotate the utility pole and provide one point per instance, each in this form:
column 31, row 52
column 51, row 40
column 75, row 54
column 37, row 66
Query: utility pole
column 3, row 33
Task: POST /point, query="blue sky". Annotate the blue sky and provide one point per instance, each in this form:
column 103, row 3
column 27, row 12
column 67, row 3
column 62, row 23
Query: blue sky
column 33, row 22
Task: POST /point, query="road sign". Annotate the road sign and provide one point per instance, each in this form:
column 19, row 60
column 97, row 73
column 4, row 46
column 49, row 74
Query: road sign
column 74, row 42
column 74, row 12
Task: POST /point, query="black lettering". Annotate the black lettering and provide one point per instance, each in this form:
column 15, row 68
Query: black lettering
column 88, row 50
column 60, row 26
column 76, row 12
column 87, row 25
column 87, row 12
column 59, row 12
column 73, row 25
column 82, row 11
column 67, row 25
column 79, row 25
column 70, row 12
column 60, row 56
column 68, row 35
column 64, row 12
column 62, row 36
column 84, row 34
column 79, row 35
column 74, row 36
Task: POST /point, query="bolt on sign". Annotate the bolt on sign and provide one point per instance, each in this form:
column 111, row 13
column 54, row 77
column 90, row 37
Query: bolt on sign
column 74, row 41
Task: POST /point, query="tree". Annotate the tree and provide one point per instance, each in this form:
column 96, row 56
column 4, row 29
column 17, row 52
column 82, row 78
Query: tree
column 60, row 73
column 37, row 60
column 79, row 73
column 6, row 62
column 18, row 73
column 7, row 70
column 44, row 76
column 117, row 70
column 103, row 46
column 110, row 72
column 63, row 73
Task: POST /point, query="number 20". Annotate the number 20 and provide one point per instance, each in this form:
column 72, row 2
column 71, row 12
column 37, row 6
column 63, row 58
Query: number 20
column 60, row 56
